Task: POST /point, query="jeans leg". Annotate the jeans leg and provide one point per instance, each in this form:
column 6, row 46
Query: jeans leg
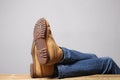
column 111, row 67
column 71, row 56
column 88, row 67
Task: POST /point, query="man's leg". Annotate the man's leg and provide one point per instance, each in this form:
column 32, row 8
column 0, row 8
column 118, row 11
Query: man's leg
column 71, row 56
column 88, row 67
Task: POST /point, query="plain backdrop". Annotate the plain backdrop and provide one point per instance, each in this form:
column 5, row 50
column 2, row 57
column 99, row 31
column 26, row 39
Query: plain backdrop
column 90, row 26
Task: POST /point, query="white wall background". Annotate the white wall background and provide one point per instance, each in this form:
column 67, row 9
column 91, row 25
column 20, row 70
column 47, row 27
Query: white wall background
column 84, row 25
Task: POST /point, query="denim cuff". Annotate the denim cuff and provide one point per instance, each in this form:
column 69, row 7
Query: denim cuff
column 60, row 72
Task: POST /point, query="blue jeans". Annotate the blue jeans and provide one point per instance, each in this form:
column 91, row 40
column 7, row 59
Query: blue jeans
column 75, row 63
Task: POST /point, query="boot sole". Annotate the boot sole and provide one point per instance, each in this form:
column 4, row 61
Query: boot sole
column 40, row 32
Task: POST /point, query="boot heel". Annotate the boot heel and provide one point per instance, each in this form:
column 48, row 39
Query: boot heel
column 32, row 71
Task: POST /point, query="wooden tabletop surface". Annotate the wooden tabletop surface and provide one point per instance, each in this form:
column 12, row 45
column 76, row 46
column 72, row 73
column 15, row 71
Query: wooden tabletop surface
column 27, row 77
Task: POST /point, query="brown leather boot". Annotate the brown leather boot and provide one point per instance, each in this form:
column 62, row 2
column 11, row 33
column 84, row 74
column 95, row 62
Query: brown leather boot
column 45, row 52
column 55, row 52
column 37, row 69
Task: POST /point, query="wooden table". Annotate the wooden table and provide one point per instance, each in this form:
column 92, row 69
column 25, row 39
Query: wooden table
column 27, row 77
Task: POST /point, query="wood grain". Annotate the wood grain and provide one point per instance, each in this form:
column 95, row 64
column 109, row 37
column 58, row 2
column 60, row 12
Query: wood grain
column 27, row 77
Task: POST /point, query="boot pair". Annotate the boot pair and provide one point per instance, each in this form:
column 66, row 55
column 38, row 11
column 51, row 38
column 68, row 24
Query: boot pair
column 45, row 52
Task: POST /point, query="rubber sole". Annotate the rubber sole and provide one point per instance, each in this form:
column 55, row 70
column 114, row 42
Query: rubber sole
column 40, row 32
